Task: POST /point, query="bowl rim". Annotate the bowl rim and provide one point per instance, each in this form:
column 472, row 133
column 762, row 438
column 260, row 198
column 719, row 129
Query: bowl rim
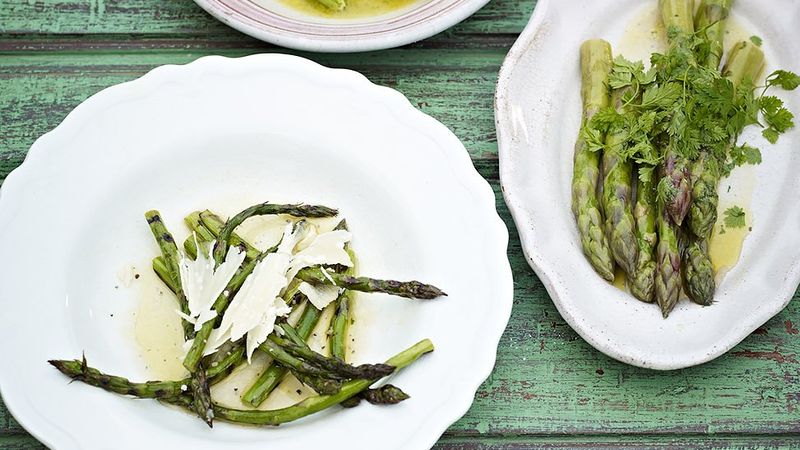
column 415, row 24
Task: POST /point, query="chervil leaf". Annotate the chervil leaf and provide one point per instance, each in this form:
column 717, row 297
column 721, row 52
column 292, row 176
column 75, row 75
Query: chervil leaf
column 592, row 138
column 646, row 173
column 665, row 191
column 771, row 135
column 606, row 119
column 735, row 217
column 756, row 40
column 663, row 96
column 778, row 118
column 745, row 154
column 785, row 79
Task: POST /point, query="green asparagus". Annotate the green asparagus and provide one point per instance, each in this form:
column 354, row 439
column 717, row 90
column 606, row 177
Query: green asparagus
column 677, row 16
column 668, row 262
column 617, row 198
column 595, row 69
column 171, row 258
column 698, row 273
column 340, row 324
column 334, row 367
column 645, row 212
column 384, row 395
column 710, row 23
column 409, row 289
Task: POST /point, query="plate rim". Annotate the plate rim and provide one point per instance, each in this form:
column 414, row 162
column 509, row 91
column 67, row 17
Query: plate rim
column 434, row 22
column 11, row 196
column 503, row 123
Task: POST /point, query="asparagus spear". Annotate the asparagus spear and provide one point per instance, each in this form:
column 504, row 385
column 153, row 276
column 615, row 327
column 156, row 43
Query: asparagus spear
column 710, row 22
column 315, row 404
column 698, row 273
column 677, row 16
column 616, row 196
column 384, row 395
column 171, row 258
column 340, row 325
column 745, row 62
column 705, row 180
column 262, row 209
column 645, row 212
column 595, row 69
column 334, row 367
column 668, row 262
column 79, row 370
column 341, row 320
column 408, row 289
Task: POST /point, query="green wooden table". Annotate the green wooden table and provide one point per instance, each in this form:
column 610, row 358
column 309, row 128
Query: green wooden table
column 549, row 388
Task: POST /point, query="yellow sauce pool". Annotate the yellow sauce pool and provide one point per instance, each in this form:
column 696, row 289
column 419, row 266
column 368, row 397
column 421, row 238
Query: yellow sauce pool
column 620, row 280
column 157, row 329
column 355, row 8
column 726, row 248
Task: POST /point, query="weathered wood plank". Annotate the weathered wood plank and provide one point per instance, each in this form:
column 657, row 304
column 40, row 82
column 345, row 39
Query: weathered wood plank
column 184, row 17
column 20, row 443
column 620, row 442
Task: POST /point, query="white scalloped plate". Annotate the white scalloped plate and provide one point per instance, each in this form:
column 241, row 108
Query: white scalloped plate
column 226, row 133
column 537, row 115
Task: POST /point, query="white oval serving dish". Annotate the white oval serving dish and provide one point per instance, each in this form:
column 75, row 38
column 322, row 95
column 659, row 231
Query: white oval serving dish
column 538, row 115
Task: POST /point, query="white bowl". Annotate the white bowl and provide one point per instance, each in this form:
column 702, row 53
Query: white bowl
column 274, row 22
column 538, row 110
column 226, row 133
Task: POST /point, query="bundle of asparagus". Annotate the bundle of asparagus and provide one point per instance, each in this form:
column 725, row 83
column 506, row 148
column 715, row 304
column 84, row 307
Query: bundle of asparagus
column 676, row 128
column 233, row 268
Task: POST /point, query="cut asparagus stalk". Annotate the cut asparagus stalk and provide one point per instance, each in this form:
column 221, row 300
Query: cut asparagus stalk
column 340, row 325
column 710, row 22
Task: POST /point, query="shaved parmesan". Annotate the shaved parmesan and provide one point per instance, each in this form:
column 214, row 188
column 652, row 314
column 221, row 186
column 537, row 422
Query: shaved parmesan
column 257, row 305
column 327, row 248
column 319, row 296
column 202, row 283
